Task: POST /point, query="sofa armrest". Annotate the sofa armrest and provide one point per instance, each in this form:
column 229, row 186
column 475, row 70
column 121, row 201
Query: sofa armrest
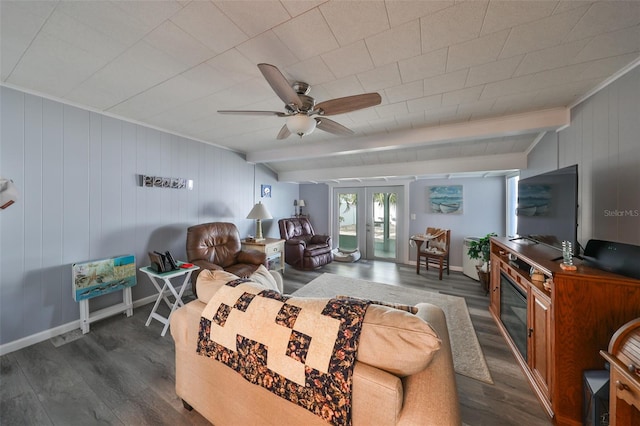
column 252, row 257
column 203, row 264
column 321, row 239
column 437, row 382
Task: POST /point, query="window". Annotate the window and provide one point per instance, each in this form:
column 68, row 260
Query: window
column 512, row 203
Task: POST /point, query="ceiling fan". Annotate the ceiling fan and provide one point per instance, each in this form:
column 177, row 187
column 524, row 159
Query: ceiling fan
column 302, row 112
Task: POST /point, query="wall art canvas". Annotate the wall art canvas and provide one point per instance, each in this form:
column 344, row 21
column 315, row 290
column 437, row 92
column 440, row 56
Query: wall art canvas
column 97, row 277
column 265, row 191
column 445, row 199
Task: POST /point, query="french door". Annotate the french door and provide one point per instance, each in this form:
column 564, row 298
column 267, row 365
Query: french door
column 368, row 218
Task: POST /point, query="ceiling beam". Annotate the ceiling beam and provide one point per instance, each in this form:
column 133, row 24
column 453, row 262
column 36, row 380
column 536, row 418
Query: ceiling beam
column 509, row 125
column 485, row 163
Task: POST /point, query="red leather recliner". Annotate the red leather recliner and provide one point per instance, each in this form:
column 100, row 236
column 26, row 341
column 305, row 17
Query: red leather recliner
column 302, row 248
column 216, row 245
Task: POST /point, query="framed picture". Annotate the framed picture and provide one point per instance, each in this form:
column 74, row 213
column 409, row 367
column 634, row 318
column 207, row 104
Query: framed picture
column 445, row 199
column 265, row 191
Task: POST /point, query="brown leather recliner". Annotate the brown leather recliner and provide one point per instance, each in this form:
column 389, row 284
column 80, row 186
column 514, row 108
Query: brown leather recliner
column 302, row 248
column 216, row 245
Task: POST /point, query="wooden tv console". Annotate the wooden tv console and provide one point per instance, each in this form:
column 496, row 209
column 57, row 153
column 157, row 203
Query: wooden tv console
column 567, row 324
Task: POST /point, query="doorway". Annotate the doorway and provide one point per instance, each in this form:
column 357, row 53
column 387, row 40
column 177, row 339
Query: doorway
column 368, row 219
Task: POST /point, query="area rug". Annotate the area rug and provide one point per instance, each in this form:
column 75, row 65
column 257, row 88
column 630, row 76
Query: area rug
column 468, row 358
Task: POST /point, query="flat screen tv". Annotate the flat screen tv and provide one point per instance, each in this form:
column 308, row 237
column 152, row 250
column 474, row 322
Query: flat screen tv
column 547, row 208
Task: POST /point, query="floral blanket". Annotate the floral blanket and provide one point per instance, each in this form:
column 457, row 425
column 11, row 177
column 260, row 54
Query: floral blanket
column 303, row 350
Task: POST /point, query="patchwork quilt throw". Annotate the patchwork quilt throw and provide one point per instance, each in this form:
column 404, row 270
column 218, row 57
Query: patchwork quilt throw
column 303, row 350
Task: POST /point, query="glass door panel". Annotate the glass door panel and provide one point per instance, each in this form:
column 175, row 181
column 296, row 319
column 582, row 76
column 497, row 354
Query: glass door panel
column 366, row 218
column 383, row 204
column 348, row 220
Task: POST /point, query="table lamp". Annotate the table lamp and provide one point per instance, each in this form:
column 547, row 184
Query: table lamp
column 259, row 212
column 301, row 205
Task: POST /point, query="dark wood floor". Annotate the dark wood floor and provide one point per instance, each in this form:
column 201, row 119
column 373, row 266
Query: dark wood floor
column 123, row 372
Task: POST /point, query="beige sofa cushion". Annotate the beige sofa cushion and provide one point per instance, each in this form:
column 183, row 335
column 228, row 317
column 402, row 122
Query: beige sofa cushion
column 210, row 281
column 392, row 340
column 396, row 341
column 263, row 277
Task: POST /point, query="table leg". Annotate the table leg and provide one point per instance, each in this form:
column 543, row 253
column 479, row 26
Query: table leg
column 160, row 297
column 178, row 302
column 418, row 245
column 128, row 301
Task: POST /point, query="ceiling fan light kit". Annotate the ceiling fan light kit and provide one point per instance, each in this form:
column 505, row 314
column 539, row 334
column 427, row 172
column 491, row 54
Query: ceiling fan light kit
column 300, row 108
column 301, row 124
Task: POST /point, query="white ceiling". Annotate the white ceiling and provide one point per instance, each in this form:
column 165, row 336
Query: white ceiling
column 465, row 85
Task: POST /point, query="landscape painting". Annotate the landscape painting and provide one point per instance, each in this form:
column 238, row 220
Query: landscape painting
column 97, row 277
column 445, row 199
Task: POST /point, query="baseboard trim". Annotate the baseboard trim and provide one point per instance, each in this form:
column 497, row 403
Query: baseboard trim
column 56, row 331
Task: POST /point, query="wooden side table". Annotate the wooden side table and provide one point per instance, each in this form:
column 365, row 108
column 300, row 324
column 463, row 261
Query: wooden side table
column 272, row 247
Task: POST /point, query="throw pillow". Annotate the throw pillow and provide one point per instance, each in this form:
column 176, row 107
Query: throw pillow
column 263, row 277
column 396, row 341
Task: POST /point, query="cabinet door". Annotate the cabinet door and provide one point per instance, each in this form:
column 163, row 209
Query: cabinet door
column 494, row 287
column 540, row 338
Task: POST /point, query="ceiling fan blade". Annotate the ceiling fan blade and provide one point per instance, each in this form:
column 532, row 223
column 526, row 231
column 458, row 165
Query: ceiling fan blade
column 280, row 84
column 332, row 127
column 228, row 111
column 284, row 132
column 348, row 103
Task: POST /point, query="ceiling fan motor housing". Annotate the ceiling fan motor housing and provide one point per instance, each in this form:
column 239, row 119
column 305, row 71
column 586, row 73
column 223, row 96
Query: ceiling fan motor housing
column 308, row 103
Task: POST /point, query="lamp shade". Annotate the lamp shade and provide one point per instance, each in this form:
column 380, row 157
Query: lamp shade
column 259, row 211
column 301, row 124
column 301, row 203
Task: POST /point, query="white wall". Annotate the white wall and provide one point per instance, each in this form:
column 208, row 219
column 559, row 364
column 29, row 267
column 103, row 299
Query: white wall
column 78, row 176
column 483, row 211
column 316, row 197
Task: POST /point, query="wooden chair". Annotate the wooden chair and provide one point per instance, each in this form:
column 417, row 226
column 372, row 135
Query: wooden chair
column 436, row 252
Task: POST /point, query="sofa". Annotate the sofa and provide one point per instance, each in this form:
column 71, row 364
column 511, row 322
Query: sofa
column 303, row 248
column 217, row 245
column 403, row 373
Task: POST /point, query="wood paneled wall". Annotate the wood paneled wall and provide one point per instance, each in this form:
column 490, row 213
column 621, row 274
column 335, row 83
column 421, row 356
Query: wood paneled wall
column 604, row 140
column 81, row 198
